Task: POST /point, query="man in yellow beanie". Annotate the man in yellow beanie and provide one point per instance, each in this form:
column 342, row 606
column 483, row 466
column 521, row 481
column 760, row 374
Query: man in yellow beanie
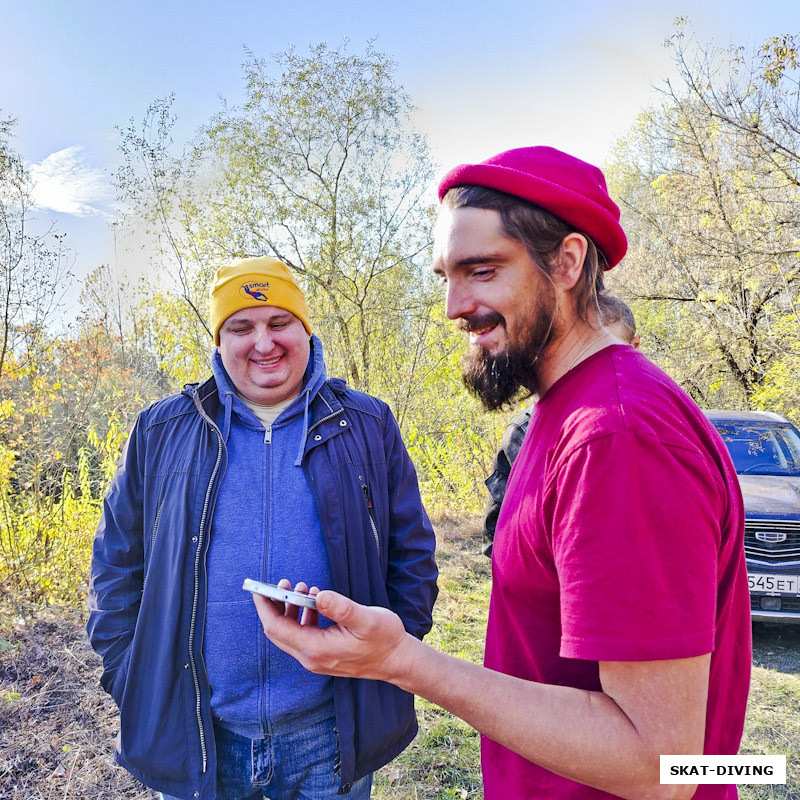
column 266, row 470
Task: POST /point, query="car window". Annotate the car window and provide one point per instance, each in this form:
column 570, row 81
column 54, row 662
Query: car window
column 761, row 449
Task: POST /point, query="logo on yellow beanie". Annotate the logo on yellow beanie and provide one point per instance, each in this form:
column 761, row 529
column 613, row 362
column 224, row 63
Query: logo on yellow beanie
column 255, row 291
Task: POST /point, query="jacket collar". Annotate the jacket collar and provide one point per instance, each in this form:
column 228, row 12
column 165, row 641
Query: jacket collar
column 325, row 407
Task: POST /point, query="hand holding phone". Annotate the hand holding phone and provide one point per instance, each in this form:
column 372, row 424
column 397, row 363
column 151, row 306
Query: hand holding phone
column 279, row 593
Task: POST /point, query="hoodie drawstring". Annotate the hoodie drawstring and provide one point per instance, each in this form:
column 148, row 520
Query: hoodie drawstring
column 304, row 436
column 226, row 426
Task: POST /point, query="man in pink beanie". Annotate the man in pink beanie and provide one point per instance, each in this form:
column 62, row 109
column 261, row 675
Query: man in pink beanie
column 619, row 627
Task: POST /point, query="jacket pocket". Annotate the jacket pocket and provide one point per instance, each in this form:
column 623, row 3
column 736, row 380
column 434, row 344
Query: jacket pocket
column 370, row 514
column 154, row 533
column 115, row 683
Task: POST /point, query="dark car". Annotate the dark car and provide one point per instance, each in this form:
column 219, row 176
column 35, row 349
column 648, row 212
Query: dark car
column 765, row 449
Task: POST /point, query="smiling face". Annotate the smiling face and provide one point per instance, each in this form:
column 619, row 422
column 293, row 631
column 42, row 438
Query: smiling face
column 499, row 297
column 265, row 352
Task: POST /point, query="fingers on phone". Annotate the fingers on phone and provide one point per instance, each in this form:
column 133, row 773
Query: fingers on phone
column 310, row 616
column 283, row 583
column 290, row 610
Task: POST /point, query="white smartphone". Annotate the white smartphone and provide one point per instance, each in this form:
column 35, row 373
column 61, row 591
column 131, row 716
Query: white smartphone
column 277, row 593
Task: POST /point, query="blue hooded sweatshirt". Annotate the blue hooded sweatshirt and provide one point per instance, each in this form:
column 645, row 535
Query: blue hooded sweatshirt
column 265, row 527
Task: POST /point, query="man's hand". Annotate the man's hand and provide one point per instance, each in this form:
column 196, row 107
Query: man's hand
column 647, row 708
column 366, row 642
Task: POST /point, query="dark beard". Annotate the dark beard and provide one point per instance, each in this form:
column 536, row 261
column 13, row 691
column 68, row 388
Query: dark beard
column 498, row 379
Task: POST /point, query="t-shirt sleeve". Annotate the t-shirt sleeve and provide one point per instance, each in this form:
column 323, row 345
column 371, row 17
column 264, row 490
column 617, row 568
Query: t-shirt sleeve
column 635, row 536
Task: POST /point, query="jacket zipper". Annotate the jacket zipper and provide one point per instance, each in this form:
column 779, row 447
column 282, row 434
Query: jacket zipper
column 337, row 760
column 324, row 419
column 198, row 553
column 365, row 489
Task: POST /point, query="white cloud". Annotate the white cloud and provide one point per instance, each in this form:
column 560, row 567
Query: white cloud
column 66, row 183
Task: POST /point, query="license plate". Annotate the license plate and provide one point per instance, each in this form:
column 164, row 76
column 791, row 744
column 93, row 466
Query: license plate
column 777, row 584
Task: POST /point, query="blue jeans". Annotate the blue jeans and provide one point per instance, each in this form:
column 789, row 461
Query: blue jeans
column 292, row 766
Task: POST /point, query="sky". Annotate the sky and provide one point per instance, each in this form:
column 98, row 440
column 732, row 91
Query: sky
column 484, row 77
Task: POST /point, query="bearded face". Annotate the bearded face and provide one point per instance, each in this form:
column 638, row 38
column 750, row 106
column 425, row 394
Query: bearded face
column 497, row 377
column 500, row 297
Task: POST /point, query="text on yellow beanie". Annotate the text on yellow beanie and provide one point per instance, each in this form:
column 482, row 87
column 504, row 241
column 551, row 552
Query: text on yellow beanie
column 251, row 282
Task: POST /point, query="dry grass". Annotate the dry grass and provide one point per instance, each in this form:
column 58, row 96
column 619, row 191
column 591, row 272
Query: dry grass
column 57, row 726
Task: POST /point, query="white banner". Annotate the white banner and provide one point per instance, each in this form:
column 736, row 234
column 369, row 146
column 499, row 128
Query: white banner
column 723, row 769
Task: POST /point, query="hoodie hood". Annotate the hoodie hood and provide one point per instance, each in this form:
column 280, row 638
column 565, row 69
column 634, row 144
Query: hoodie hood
column 313, row 380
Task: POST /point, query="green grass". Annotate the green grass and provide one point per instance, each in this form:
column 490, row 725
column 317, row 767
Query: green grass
column 444, row 760
column 773, row 726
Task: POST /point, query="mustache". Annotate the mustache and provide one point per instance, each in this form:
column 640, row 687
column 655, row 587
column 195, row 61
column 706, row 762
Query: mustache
column 475, row 322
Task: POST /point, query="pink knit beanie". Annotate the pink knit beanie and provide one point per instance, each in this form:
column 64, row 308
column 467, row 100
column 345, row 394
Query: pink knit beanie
column 561, row 184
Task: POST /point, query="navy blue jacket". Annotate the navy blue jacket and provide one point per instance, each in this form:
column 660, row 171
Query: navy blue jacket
column 147, row 596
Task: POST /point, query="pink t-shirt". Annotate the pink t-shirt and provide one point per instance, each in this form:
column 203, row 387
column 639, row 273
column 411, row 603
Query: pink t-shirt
column 620, row 539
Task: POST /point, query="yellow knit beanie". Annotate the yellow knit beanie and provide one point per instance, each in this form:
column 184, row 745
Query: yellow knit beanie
column 251, row 282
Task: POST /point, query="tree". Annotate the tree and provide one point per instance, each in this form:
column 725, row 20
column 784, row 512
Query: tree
column 33, row 278
column 317, row 169
column 708, row 182
column 320, row 171
column 33, row 266
column 48, row 386
column 158, row 189
column 320, row 168
column 128, row 318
